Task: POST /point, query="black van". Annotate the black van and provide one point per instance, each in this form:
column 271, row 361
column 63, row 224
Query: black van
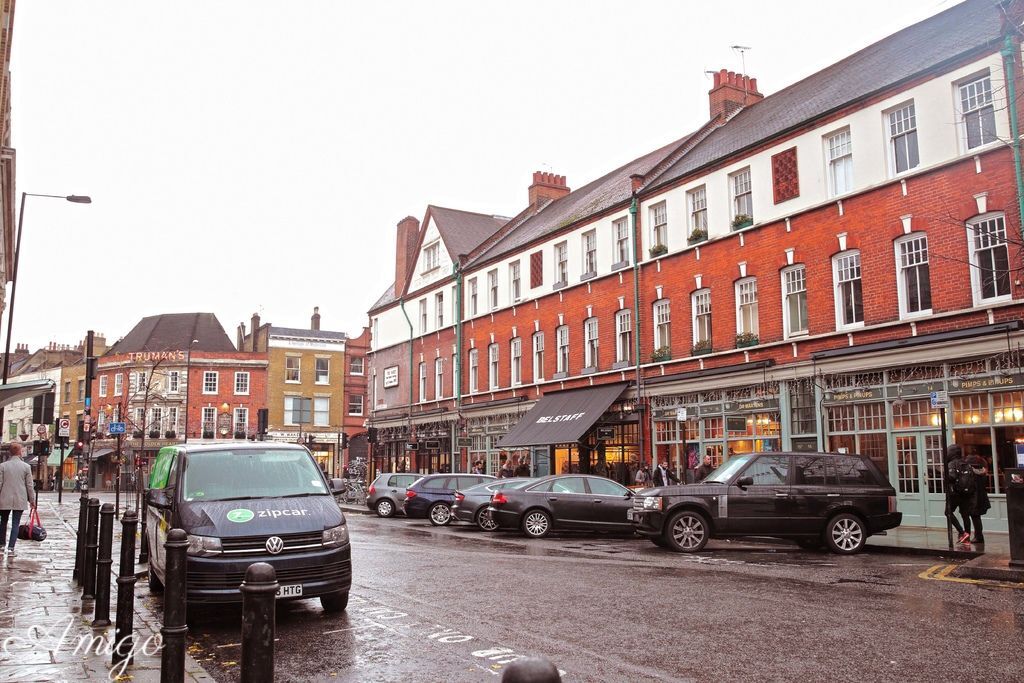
column 241, row 503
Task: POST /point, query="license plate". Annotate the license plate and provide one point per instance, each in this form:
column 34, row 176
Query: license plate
column 290, row 591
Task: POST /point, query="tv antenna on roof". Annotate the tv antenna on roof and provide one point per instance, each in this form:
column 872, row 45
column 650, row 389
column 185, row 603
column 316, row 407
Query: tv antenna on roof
column 742, row 49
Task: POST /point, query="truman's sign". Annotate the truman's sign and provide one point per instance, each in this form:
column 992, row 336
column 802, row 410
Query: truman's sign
column 147, row 356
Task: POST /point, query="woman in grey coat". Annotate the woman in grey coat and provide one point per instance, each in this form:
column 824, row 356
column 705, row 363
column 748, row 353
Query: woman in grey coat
column 16, row 492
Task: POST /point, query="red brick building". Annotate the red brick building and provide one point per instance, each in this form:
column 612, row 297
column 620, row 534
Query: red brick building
column 800, row 272
column 173, row 376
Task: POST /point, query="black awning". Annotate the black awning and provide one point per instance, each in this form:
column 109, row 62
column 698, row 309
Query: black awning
column 562, row 416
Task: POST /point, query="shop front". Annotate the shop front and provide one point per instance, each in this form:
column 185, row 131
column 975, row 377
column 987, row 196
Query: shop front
column 588, row 430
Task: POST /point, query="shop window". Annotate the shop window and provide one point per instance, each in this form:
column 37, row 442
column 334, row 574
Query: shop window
column 970, row 409
column 915, row 413
column 875, row 446
column 802, row 413
column 1008, row 407
column 713, row 428
column 840, row 418
column 870, row 416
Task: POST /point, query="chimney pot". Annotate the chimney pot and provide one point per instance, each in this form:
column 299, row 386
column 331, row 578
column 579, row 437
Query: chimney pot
column 731, row 92
column 314, row 321
column 546, row 185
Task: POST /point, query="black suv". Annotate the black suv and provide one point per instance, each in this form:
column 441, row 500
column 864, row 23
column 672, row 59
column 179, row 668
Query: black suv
column 432, row 496
column 811, row 498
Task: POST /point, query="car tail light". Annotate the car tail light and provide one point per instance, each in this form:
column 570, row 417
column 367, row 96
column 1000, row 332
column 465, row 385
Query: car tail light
column 459, row 497
column 409, row 493
column 498, row 499
column 372, row 490
column 892, row 503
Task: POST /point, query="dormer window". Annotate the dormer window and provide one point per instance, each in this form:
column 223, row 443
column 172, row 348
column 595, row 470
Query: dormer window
column 431, row 256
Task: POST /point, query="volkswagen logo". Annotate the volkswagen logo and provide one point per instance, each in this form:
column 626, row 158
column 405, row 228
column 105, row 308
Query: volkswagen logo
column 275, row 545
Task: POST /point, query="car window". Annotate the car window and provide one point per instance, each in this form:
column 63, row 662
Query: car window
column 542, row 487
column 161, row 468
column 811, row 470
column 568, row 485
column 853, row 471
column 769, row 470
column 511, row 484
column 400, row 480
column 435, row 483
column 466, row 482
column 606, row 487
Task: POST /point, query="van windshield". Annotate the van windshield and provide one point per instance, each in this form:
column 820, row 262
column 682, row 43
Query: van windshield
column 251, row 473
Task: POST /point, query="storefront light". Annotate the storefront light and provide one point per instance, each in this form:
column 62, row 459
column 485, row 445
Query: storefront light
column 997, row 416
column 1018, row 414
column 975, row 418
column 935, row 420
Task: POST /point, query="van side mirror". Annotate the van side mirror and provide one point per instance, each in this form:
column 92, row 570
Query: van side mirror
column 744, row 482
column 157, row 498
column 337, row 485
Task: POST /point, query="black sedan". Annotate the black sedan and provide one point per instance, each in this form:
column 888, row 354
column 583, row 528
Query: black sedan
column 471, row 504
column 569, row 501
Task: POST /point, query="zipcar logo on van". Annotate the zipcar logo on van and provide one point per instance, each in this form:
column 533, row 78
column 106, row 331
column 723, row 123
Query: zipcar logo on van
column 560, row 418
column 274, row 514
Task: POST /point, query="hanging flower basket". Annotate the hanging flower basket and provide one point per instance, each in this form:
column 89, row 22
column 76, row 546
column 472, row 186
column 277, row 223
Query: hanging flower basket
column 746, row 339
column 742, row 221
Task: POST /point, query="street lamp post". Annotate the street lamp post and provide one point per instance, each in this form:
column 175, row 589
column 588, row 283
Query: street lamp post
column 75, row 199
column 188, row 382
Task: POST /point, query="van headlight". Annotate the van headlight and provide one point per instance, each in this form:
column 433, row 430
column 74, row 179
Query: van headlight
column 204, row 546
column 653, row 503
column 337, row 535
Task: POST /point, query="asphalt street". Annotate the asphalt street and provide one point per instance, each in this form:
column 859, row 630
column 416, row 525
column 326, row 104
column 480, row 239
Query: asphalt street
column 458, row 604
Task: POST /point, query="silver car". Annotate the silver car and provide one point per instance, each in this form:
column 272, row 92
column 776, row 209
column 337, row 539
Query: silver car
column 471, row 504
column 387, row 492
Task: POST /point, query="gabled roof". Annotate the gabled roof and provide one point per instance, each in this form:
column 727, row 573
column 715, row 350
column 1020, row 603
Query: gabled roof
column 944, row 37
column 603, row 193
column 463, row 231
column 175, row 332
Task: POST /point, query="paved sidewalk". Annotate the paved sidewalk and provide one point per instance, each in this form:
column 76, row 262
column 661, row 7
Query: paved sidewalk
column 43, row 618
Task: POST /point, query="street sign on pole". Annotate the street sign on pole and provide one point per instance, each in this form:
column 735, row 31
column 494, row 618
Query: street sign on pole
column 940, row 399
column 64, row 427
column 41, row 430
column 115, row 427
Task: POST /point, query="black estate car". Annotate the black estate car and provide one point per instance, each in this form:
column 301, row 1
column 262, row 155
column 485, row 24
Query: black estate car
column 563, row 501
column 432, row 496
column 812, row 498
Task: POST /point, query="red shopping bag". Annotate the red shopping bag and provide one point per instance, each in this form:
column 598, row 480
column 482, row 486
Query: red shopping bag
column 33, row 531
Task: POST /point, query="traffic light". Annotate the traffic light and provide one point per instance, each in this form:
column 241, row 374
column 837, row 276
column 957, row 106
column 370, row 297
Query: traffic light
column 44, row 447
column 310, row 440
column 77, row 449
column 344, row 441
column 371, row 435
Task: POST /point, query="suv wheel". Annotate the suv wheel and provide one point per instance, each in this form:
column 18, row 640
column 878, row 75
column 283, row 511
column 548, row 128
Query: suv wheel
column 845, row 534
column 536, row 524
column 334, row 602
column 440, row 514
column 687, row 532
column 485, row 521
column 385, row 508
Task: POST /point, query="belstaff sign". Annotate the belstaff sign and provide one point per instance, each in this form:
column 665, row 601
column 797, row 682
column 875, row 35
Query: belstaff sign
column 559, row 418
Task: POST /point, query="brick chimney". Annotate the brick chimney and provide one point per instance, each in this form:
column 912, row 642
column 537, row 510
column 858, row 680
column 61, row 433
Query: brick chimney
column 314, row 321
column 547, row 186
column 731, row 92
column 405, row 248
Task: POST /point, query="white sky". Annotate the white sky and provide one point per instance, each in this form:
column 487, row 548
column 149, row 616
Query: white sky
column 247, row 155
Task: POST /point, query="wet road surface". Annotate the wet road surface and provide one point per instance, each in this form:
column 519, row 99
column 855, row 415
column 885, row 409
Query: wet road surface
column 458, row 604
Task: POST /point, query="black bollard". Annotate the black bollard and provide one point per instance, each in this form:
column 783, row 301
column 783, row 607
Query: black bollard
column 531, row 670
column 125, row 590
column 83, row 513
column 92, row 521
column 172, row 659
column 101, row 615
column 144, row 540
column 259, row 602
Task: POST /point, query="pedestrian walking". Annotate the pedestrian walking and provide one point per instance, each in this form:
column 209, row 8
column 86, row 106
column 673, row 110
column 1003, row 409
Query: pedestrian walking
column 981, row 502
column 705, row 469
column 523, row 469
column 961, row 492
column 663, row 476
column 643, row 477
column 16, row 493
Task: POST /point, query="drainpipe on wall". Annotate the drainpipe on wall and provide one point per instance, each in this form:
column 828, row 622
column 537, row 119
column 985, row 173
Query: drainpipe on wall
column 1010, row 72
column 401, row 304
column 457, row 269
column 633, row 207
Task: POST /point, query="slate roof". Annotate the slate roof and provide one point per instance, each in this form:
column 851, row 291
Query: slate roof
column 175, row 332
column 464, row 231
column 605, row 192
column 903, row 55
column 307, row 334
